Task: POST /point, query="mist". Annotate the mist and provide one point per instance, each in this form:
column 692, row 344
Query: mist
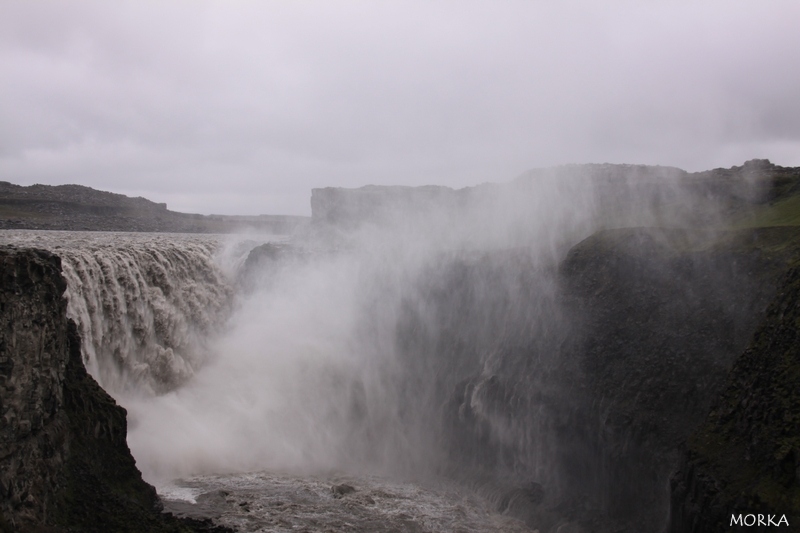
column 356, row 346
column 545, row 344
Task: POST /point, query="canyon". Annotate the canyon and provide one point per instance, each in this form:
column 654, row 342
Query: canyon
column 625, row 361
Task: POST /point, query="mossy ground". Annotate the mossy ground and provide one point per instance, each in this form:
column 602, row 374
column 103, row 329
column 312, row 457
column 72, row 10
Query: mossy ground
column 784, row 212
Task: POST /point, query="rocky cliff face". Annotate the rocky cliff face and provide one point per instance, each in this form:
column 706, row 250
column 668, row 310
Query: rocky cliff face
column 664, row 320
column 745, row 458
column 581, row 395
column 351, row 207
column 35, row 347
column 64, row 461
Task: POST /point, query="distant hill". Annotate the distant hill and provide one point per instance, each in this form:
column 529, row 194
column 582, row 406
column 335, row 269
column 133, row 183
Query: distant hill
column 755, row 194
column 774, row 201
column 80, row 208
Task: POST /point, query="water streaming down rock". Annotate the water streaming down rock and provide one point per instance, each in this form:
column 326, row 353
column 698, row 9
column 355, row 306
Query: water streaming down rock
column 157, row 305
column 145, row 305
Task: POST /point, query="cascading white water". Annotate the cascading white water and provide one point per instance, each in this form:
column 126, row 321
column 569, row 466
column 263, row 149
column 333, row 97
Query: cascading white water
column 317, row 368
column 145, row 305
column 157, row 307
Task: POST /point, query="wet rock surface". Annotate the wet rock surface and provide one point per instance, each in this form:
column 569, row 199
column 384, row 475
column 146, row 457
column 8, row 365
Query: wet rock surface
column 34, row 354
column 66, row 465
column 578, row 428
column 597, row 415
column 342, row 489
column 745, row 458
column 664, row 319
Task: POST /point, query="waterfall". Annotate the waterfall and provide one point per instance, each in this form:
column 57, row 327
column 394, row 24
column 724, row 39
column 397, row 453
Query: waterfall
column 420, row 342
column 146, row 305
column 144, row 313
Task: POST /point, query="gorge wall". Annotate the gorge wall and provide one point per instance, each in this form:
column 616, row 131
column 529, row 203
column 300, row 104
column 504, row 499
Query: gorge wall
column 745, row 458
column 518, row 338
column 35, row 353
column 65, row 463
column 589, row 421
column 629, row 195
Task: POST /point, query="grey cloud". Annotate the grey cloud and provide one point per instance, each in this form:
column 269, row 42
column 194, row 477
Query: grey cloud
column 238, row 103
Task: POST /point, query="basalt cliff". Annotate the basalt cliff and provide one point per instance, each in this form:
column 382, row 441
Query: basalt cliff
column 64, row 461
column 743, row 462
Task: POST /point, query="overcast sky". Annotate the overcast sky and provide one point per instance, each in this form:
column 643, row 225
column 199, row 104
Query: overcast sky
column 244, row 107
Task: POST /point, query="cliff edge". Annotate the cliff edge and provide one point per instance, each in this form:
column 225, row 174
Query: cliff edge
column 64, row 460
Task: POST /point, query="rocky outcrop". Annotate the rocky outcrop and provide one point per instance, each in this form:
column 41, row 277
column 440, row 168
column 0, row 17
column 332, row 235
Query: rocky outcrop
column 664, row 319
column 64, row 460
column 34, row 354
column 745, row 459
column 590, row 391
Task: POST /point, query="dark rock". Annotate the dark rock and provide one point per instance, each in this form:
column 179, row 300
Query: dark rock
column 745, row 458
column 264, row 263
column 64, row 460
column 656, row 319
column 341, row 490
column 35, row 354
